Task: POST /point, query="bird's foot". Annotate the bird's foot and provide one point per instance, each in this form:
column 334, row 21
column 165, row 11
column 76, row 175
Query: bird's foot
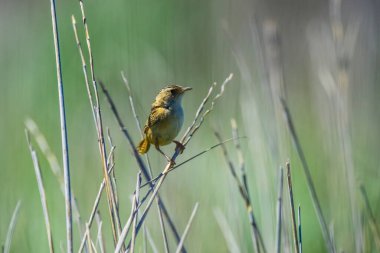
column 180, row 146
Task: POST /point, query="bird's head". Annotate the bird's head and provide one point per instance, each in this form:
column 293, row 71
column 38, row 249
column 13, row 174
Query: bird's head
column 170, row 95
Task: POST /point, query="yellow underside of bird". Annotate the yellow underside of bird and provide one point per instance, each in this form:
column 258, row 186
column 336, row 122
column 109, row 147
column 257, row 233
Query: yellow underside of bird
column 162, row 132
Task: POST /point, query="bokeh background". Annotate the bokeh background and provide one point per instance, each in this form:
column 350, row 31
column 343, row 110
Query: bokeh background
column 322, row 56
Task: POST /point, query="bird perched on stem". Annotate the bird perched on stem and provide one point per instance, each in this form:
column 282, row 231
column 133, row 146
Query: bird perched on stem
column 165, row 120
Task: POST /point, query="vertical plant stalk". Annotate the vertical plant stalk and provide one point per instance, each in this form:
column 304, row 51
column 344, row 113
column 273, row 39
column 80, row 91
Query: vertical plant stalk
column 135, row 214
column 41, row 190
column 131, row 218
column 11, row 228
column 42, row 143
column 65, row 145
column 180, row 245
column 309, row 180
column 294, row 226
column 279, row 210
column 95, row 107
column 257, row 239
column 373, row 225
column 299, row 230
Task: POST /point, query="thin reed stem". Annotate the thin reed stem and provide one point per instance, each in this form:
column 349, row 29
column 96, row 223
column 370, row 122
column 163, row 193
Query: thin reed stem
column 134, row 210
column 294, row 226
column 257, row 239
column 65, row 145
column 309, row 180
column 189, row 223
column 299, row 230
column 44, row 146
column 41, row 190
column 95, row 106
column 94, row 209
column 135, row 215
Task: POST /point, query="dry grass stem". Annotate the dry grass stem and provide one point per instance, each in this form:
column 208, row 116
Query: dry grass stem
column 294, row 225
column 11, row 228
column 65, row 145
column 257, row 239
column 41, row 190
column 95, row 106
column 279, row 210
column 44, row 146
column 94, row 209
column 135, row 212
column 189, row 223
column 309, row 180
column 132, row 216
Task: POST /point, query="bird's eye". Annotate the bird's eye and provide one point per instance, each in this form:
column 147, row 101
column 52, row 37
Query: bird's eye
column 173, row 92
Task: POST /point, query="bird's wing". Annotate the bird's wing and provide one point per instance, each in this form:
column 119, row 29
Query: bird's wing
column 157, row 114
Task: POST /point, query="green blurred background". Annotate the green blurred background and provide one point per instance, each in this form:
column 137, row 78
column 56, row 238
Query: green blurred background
column 195, row 43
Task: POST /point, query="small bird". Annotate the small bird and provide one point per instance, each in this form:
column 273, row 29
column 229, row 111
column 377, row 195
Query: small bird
column 165, row 120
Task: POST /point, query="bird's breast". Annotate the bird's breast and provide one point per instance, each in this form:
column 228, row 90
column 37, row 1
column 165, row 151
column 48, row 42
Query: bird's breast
column 167, row 129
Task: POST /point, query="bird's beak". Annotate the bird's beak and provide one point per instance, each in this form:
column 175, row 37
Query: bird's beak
column 186, row 89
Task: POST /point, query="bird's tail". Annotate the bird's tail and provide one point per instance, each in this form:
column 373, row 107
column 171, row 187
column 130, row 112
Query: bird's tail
column 143, row 146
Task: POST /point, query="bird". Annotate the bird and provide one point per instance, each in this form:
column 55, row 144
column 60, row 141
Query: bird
column 165, row 120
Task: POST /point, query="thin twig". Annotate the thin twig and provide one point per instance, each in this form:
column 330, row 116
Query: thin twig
column 294, row 226
column 309, row 179
column 11, row 228
column 111, row 162
column 279, row 210
column 41, row 189
column 373, row 224
column 189, row 223
column 189, row 159
column 65, row 145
